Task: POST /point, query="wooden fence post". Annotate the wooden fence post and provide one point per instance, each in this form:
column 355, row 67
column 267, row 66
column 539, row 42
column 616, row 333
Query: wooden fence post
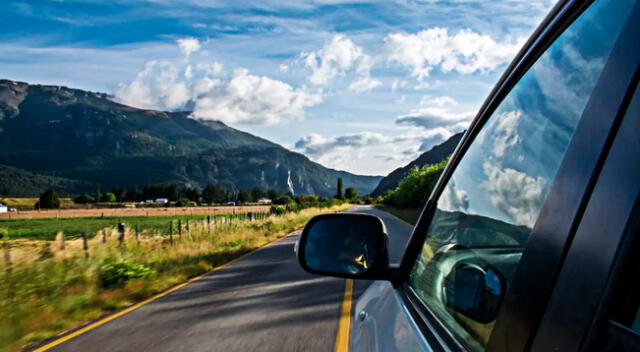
column 85, row 245
column 188, row 227
column 7, row 255
column 121, row 233
column 104, row 236
column 179, row 229
column 171, row 232
column 209, row 222
column 137, row 233
column 61, row 240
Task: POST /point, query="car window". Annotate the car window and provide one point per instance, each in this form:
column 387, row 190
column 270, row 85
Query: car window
column 491, row 202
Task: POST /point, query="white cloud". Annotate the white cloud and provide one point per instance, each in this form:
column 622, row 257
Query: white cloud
column 435, row 117
column 316, row 144
column 188, row 46
column 453, row 199
column 364, row 84
column 463, row 52
column 506, row 132
column 160, row 85
column 514, row 193
column 254, row 99
column 338, row 57
column 239, row 98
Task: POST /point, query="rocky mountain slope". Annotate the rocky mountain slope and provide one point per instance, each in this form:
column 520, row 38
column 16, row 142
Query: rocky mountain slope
column 433, row 156
column 76, row 138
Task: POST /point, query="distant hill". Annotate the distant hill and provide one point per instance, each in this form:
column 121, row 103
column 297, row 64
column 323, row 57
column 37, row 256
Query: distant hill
column 433, row 156
column 73, row 139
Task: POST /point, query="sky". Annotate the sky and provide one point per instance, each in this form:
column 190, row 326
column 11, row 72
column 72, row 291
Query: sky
column 363, row 86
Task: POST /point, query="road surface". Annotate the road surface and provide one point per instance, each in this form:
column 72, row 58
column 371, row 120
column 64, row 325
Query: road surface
column 263, row 302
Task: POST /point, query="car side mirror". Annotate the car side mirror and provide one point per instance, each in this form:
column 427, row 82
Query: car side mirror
column 349, row 245
column 474, row 291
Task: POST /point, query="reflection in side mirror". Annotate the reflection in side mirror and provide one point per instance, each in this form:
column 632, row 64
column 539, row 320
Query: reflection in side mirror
column 474, row 291
column 344, row 245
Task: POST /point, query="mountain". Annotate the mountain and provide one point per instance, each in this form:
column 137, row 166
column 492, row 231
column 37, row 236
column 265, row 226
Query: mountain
column 433, row 156
column 75, row 139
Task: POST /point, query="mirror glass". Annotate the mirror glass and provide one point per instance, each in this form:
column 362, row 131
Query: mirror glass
column 342, row 244
column 474, row 292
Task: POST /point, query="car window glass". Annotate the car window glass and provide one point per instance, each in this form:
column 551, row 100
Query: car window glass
column 491, row 202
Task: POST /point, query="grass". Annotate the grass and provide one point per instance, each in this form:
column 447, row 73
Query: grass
column 46, row 229
column 50, row 290
column 409, row 215
column 28, row 203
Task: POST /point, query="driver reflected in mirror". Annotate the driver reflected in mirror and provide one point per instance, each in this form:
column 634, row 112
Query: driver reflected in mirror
column 340, row 246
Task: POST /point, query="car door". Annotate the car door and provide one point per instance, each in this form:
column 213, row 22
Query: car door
column 484, row 256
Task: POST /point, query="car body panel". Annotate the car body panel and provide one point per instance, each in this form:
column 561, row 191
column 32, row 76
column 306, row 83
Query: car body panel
column 381, row 322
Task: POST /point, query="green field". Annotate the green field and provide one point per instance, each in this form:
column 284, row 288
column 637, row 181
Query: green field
column 46, row 229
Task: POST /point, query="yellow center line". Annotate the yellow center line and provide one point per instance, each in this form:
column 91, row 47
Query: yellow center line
column 342, row 338
column 99, row 322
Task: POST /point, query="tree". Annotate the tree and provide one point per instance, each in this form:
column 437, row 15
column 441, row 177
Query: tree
column 192, row 194
column 83, row 199
column 339, row 194
column 119, row 193
column 109, row 197
column 350, row 193
column 244, row 197
column 98, row 195
column 414, row 190
column 48, row 200
column 282, row 200
column 214, row 194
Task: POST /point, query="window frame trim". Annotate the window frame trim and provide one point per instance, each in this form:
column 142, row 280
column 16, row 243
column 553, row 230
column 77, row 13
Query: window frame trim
column 559, row 19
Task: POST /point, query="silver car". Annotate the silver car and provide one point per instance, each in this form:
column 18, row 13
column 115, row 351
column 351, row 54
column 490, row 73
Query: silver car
column 529, row 241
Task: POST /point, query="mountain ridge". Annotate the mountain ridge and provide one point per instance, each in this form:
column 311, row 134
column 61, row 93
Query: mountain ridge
column 84, row 136
column 433, row 156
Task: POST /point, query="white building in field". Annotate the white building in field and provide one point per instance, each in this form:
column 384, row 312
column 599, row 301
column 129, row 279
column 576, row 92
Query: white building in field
column 3, row 208
column 264, row 201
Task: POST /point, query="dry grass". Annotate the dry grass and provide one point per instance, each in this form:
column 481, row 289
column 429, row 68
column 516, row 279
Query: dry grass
column 130, row 212
column 28, row 203
column 47, row 290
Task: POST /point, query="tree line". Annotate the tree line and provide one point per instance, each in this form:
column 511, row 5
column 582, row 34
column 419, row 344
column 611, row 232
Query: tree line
column 210, row 194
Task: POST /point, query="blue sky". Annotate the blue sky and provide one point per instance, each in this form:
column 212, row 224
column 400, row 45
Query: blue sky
column 362, row 86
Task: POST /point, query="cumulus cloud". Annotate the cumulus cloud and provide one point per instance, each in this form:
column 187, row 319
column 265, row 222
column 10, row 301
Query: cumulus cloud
column 160, row 85
column 435, row 117
column 315, row 144
column 240, row 97
column 464, row 52
column 514, row 193
column 337, row 57
column 453, row 198
column 188, row 46
column 247, row 98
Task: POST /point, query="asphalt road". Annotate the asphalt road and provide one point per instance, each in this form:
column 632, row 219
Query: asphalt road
column 263, row 302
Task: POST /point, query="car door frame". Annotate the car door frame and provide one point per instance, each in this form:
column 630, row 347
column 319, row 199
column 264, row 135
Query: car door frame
column 560, row 215
column 578, row 308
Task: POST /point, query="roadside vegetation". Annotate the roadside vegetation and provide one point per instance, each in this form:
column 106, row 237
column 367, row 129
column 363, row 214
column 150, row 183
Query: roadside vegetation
column 407, row 200
column 50, row 286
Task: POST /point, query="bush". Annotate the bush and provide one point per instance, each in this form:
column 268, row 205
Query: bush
column 277, row 210
column 48, row 200
column 83, row 199
column 307, row 201
column 184, row 202
column 329, row 202
column 283, row 200
column 109, row 197
column 350, row 193
column 414, row 190
column 116, row 274
column 292, row 206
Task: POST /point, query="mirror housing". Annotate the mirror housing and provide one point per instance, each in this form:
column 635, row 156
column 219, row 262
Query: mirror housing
column 348, row 245
column 474, row 291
